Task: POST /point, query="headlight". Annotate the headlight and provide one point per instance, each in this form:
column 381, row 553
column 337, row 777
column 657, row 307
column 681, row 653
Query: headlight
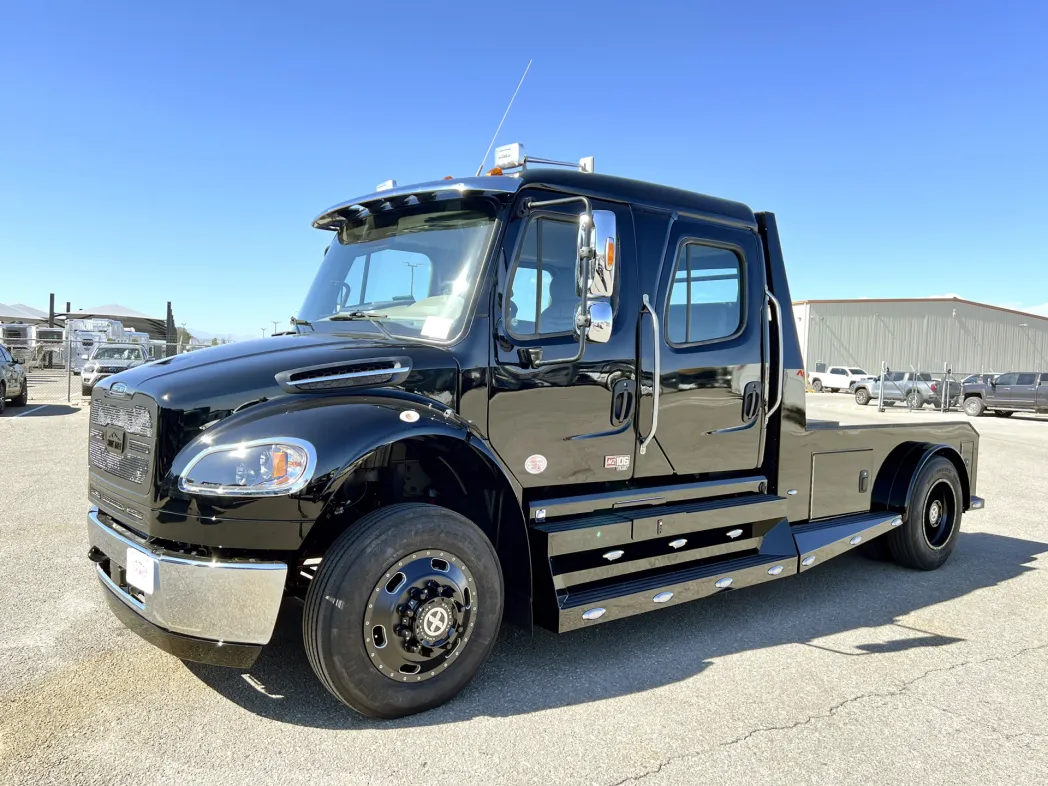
column 89, row 367
column 262, row 467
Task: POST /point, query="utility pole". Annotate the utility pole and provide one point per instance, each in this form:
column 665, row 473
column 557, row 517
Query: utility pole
column 263, row 332
column 413, row 265
column 275, row 322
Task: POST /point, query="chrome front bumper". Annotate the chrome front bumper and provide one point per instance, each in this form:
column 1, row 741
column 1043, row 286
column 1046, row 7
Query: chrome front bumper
column 232, row 602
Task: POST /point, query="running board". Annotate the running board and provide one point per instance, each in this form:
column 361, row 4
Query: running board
column 819, row 541
column 615, row 597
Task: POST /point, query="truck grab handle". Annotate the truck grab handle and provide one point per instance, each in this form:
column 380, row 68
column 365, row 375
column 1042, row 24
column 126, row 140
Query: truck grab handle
column 656, row 387
column 772, row 300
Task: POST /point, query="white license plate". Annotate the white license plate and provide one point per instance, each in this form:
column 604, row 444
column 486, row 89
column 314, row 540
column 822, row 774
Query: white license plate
column 141, row 569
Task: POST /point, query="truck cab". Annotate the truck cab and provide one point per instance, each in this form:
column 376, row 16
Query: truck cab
column 546, row 394
column 837, row 378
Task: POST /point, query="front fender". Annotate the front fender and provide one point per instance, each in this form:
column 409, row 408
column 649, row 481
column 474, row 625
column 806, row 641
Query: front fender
column 343, row 430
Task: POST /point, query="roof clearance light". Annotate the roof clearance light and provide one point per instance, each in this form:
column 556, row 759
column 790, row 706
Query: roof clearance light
column 448, row 177
column 509, row 156
column 386, row 186
column 586, row 165
column 495, row 171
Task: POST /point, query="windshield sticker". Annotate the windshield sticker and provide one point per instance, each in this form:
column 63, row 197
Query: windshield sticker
column 436, row 327
column 535, row 463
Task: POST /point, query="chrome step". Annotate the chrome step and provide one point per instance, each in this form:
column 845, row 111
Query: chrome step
column 819, row 541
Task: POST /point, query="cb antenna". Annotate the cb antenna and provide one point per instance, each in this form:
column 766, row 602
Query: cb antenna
column 503, row 120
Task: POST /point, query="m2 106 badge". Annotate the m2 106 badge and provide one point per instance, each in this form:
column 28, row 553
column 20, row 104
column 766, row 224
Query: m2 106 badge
column 621, row 463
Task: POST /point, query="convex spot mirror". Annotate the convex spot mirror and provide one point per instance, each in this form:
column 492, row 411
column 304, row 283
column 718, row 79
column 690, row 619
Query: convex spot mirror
column 597, row 252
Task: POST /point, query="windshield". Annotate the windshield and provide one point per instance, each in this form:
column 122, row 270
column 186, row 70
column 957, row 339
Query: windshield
column 414, row 271
column 118, row 353
column 857, row 371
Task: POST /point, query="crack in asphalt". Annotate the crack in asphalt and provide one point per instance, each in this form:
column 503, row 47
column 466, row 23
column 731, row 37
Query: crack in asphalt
column 833, row 710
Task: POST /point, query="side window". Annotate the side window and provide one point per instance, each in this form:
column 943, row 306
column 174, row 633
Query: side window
column 542, row 297
column 1006, row 379
column 705, row 301
column 4, row 357
column 839, row 371
column 1026, row 379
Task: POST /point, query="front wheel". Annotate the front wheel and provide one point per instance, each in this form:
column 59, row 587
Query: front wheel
column 22, row 398
column 932, row 521
column 404, row 610
column 974, row 407
column 862, row 397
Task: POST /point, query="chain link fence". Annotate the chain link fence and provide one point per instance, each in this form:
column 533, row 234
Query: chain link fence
column 64, row 371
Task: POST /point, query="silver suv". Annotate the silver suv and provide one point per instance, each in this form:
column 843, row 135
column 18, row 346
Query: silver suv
column 108, row 359
column 13, row 383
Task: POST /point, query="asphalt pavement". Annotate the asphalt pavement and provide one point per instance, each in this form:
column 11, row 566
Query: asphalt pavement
column 856, row 672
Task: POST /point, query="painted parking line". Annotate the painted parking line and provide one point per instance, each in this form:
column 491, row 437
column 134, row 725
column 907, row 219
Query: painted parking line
column 28, row 411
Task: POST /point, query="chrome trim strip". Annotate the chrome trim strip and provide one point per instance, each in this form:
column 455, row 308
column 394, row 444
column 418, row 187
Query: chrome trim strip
column 218, row 600
column 395, row 369
column 656, row 387
column 782, row 372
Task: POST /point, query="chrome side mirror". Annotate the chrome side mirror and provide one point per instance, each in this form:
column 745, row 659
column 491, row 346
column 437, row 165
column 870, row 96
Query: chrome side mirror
column 599, row 330
column 595, row 271
column 604, row 242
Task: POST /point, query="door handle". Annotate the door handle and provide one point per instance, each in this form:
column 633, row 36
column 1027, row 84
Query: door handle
column 751, row 401
column 622, row 396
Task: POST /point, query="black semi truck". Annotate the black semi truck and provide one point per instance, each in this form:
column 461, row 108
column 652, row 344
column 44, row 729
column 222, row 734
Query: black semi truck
column 553, row 396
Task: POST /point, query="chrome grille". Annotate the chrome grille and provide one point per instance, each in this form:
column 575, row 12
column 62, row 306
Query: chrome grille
column 130, row 467
column 133, row 420
column 111, row 369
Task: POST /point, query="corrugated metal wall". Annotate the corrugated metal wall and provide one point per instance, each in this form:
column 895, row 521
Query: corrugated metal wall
column 922, row 335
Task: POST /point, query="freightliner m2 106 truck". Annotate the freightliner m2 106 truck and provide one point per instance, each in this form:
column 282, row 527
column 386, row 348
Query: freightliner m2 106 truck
column 549, row 395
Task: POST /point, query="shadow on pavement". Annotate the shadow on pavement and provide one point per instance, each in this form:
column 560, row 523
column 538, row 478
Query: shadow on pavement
column 528, row 673
column 37, row 410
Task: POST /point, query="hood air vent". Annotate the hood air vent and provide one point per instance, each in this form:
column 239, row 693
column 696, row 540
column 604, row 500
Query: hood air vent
column 340, row 376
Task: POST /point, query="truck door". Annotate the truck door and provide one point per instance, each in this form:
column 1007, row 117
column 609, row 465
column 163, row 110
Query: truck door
column 712, row 326
column 1024, row 392
column 563, row 421
column 1042, row 393
column 1000, row 393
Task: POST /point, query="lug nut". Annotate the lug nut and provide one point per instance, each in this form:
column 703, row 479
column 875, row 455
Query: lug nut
column 405, row 621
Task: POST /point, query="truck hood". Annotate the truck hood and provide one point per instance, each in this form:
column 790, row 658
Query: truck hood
column 219, row 380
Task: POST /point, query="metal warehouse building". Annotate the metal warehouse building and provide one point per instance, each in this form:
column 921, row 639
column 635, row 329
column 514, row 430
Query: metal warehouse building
column 920, row 334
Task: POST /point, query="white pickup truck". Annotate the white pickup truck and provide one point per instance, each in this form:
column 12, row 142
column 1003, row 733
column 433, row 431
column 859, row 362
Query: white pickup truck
column 836, row 378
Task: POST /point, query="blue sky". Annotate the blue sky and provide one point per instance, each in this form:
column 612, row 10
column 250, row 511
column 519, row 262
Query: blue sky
column 179, row 151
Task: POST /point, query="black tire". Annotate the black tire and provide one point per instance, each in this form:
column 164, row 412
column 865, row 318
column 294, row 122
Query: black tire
column 835, row 390
column 927, row 539
column 22, row 398
column 3, row 397
column 1003, row 413
column 85, row 390
column 351, row 575
column 914, row 400
column 862, row 397
column 817, row 386
column 974, row 406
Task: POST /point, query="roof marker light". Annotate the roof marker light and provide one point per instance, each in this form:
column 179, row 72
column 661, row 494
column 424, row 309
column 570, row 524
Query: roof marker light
column 386, row 186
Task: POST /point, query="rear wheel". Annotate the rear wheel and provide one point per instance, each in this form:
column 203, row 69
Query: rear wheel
column 1003, row 414
column 3, row 397
column 862, row 397
column 932, row 523
column 22, row 398
column 404, row 610
column 817, row 386
column 914, row 400
column 974, row 407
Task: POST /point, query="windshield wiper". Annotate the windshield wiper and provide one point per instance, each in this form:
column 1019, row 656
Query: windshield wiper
column 370, row 316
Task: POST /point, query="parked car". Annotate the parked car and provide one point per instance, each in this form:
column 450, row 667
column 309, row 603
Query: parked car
column 108, row 359
column 13, row 383
column 913, row 387
column 837, row 378
column 1006, row 394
